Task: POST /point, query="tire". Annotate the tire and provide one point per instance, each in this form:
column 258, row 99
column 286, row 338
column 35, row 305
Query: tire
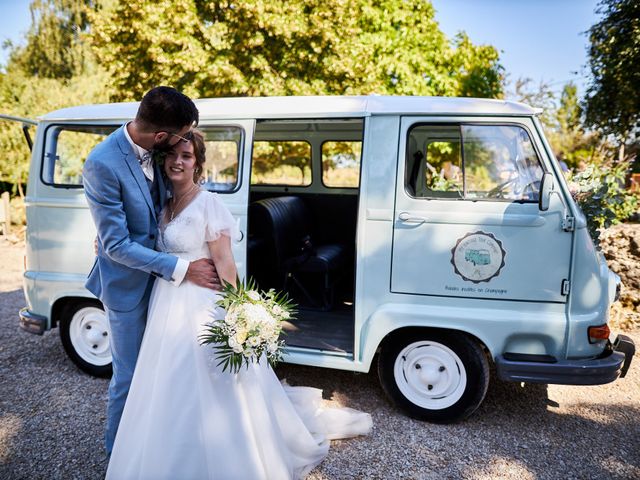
column 432, row 375
column 84, row 331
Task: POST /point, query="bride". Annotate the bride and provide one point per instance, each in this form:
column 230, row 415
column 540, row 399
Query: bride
column 184, row 417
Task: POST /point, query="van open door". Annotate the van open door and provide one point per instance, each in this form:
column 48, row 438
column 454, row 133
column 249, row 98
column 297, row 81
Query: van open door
column 26, row 125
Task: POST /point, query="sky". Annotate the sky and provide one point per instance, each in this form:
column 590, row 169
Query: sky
column 538, row 39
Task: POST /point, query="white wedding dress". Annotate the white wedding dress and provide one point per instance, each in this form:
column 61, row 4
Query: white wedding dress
column 186, row 419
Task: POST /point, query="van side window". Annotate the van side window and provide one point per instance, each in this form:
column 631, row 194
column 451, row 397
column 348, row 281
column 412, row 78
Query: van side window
column 281, row 163
column 434, row 162
column 341, row 164
column 222, row 165
column 491, row 162
column 66, row 150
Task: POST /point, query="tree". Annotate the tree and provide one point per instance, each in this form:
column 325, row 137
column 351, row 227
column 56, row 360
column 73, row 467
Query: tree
column 571, row 142
column 477, row 68
column 55, row 69
column 613, row 98
column 292, row 47
column 55, row 45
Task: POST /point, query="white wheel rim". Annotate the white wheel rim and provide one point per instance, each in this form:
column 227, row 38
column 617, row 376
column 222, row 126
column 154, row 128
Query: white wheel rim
column 430, row 375
column 89, row 334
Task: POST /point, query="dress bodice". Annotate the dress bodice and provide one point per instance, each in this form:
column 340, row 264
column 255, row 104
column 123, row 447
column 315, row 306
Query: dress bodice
column 202, row 221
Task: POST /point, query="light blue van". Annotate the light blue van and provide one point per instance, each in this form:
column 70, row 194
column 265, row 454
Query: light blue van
column 429, row 238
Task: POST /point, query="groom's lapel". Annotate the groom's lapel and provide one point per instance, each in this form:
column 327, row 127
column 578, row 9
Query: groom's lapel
column 132, row 162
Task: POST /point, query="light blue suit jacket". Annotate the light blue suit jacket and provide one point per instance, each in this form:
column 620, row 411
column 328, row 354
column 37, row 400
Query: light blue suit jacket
column 125, row 218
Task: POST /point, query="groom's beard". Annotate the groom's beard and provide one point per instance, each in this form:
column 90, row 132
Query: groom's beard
column 163, row 146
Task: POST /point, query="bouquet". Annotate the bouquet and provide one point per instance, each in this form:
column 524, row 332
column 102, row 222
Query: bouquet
column 251, row 328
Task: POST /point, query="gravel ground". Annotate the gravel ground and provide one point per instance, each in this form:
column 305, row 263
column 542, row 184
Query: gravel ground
column 52, row 418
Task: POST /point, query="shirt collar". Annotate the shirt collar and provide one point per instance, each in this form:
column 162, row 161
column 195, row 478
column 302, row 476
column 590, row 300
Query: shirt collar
column 137, row 149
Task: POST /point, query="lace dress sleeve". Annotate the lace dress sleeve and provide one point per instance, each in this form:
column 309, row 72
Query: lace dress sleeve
column 219, row 220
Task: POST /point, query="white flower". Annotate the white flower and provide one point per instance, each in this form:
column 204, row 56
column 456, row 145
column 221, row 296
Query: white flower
column 251, row 326
column 257, row 315
column 232, row 316
column 253, row 295
column 235, row 346
column 241, row 335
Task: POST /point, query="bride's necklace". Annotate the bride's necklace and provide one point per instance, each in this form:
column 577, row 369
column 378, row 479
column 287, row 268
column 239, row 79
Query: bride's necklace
column 177, row 204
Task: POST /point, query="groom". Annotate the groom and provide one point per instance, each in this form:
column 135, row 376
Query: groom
column 125, row 192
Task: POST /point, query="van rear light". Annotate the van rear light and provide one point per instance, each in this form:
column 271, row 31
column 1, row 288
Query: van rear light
column 25, row 262
column 601, row 332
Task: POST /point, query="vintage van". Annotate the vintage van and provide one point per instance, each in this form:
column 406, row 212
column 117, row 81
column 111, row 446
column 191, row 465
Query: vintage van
column 429, row 238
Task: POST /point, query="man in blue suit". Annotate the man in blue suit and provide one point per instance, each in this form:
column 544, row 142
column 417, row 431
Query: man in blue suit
column 125, row 192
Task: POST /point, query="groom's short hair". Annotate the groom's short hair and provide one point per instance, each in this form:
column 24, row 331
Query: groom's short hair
column 167, row 109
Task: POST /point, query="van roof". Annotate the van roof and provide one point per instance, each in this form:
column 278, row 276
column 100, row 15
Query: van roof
column 309, row 107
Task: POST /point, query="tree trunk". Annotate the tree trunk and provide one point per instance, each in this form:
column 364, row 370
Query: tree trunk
column 621, row 152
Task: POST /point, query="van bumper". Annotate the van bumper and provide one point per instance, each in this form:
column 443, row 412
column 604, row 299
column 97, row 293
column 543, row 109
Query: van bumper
column 613, row 363
column 31, row 322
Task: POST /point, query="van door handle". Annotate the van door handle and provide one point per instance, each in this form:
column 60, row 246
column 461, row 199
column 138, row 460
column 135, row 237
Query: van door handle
column 407, row 217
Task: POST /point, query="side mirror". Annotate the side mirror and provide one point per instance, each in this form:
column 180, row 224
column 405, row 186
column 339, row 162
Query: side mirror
column 546, row 186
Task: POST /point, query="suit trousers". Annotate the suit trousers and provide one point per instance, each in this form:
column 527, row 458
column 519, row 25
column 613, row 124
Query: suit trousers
column 127, row 330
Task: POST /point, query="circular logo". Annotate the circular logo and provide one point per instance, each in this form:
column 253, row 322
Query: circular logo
column 478, row 257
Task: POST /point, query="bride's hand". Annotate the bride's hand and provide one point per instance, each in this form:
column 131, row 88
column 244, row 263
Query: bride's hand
column 203, row 273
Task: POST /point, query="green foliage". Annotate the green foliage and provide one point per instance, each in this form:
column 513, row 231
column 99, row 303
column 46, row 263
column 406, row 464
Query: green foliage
column 477, row 69
column 293, row 47
column 563, row 121
column 285, row 163
column 341, row 163
column 55, row 69
column 86, row 51
column 18, row 212
column 599, row 182
column 55, row 47
column 571, row 142
column 24, row 96
column 613, row 98
column 251, row 327
column 440, row 183
column 599, row 190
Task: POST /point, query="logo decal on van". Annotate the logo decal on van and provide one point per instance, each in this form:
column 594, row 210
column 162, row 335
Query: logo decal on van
column 478, row 257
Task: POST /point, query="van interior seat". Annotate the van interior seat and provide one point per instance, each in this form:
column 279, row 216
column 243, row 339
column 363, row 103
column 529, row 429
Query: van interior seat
column 281, row 228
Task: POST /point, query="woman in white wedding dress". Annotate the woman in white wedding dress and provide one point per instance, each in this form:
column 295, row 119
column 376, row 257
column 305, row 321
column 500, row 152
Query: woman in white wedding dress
column 184, row 417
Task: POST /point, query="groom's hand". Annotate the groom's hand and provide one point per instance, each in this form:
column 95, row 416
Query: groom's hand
column 202, row 272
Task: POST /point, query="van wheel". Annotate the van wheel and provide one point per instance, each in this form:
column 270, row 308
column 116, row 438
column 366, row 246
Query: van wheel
column 84, row 331
column 434, row 376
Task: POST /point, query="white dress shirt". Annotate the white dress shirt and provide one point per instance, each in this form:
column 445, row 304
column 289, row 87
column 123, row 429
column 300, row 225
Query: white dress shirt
column 143, row 155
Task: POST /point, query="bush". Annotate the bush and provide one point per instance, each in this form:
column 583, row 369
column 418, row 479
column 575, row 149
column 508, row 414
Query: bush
column 18, row 212
column 600, row 191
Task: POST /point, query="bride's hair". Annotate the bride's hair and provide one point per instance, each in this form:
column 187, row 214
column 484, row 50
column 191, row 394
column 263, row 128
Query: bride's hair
column 199, row 150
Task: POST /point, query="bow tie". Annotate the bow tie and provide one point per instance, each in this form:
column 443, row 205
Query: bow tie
column 146, row 159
